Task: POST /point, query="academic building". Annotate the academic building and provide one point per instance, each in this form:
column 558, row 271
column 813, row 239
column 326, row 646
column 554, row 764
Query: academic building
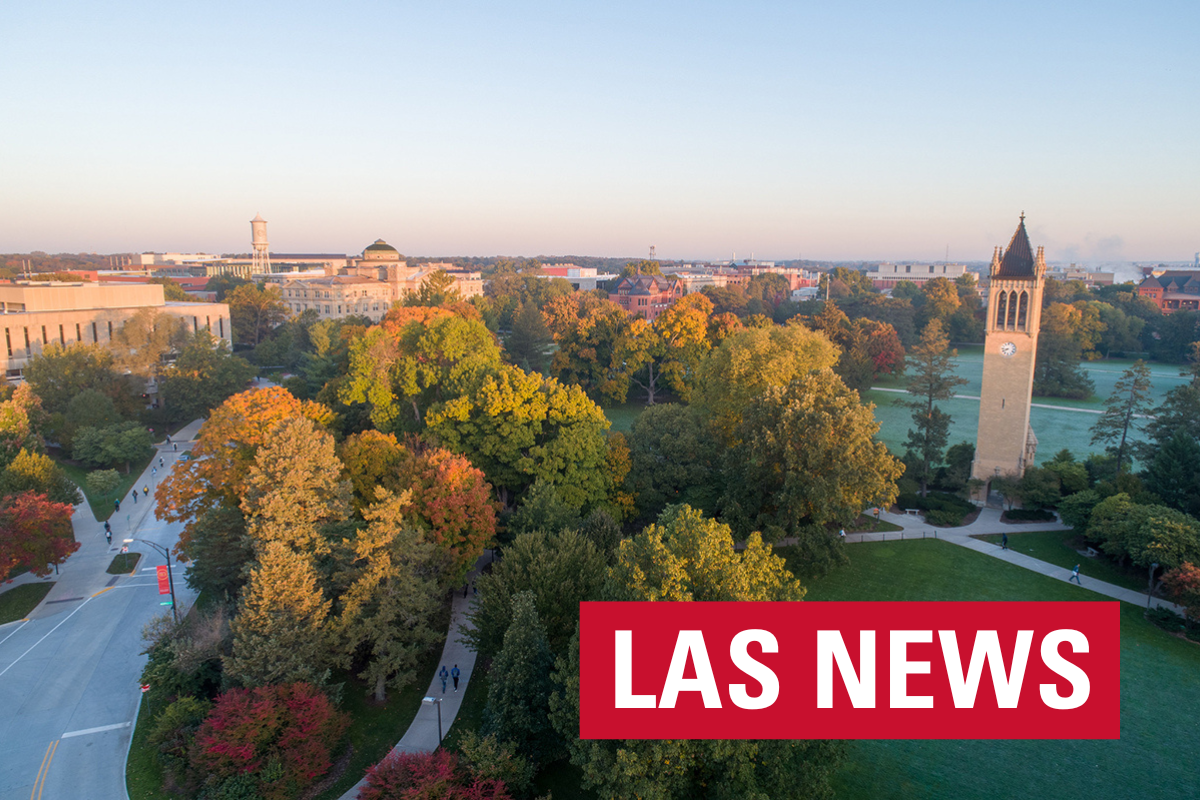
column 646, row 295
column 36, row 314
column 1173, row 290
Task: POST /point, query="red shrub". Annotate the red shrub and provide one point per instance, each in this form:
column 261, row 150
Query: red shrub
column 427, row 776
column 288, row 731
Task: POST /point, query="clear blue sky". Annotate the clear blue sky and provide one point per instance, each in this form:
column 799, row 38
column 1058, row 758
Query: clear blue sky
column 831, row 130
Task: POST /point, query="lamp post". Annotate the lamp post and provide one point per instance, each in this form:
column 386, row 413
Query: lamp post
column 170, row 577
column 1150, row 588
column 436, row 701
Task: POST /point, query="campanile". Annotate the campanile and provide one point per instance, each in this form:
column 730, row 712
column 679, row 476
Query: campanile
column 1006, row 444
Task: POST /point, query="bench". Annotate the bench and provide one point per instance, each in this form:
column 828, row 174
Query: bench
column 913, row 512
column 1092, row 552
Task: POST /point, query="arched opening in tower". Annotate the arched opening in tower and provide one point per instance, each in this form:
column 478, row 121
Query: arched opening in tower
column 1001, row 308
column 1023, row 311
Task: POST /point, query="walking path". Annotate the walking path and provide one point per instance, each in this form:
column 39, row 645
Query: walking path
column 988, row 521
column 425, row 733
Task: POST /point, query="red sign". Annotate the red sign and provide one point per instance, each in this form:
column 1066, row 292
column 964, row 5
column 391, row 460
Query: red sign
column 164, row 580
column 1028, row 670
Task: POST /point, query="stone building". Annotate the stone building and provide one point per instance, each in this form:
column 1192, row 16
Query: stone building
column 1173, row 290
column 36, row 314
column 1006, row 444
column 646, row 295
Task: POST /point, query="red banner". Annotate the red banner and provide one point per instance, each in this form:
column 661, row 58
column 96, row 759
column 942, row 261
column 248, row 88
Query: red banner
column 164, row 580
column 1028, row 670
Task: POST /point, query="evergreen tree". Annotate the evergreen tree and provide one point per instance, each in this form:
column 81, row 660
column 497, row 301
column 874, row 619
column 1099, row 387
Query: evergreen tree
column 518, row 705
column 931, row 362
column 279, row 633
column 529, row 339
column 1057, row 371
column 220, row 552
column 1174, row 474
column 1123, row 411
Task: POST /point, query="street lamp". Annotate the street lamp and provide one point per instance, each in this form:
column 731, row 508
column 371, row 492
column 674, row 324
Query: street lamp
column 170, row 576
column 437, row 701
column 1150, row 588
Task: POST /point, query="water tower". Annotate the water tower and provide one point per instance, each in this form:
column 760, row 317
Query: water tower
column 260, row 260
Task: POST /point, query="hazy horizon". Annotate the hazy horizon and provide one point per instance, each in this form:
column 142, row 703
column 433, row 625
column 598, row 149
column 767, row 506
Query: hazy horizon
column 826, row 133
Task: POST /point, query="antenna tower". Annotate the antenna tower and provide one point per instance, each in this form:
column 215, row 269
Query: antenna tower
column 653, row 254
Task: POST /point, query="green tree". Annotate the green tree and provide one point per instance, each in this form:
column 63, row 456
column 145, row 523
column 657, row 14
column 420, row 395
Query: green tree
column 21, row 422
column 1174, row 474
column 682, row 341
column 1178, row 412
column 541, row 509
column 1040, row 488
column 254, row 312
column 437, row 290
column 933, row 379
column 295, row 487
column 37, row 473
column 1057, row 371
column 517, row 427
column 88, row 409
column 674, row 458
column 806, row 455
column 204, row 375
column 528, row 342
column 279, row 633
column 640, row 268
column 1124, row 411
column 518, row 702
column 123, row 443
column 599, row 346
column 391, row 599
column 103, row 482
column 174, row 293
column 1076, row 509
column 221, row 553
column 58, row 374
column 143, row 340
column 748, row 362
column 561, row 570
column 686, row 557
column 941, row 300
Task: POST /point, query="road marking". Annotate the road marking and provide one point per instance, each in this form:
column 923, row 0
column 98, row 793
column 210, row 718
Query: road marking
column 100, row 729
column 24, row 622
column 39, row 641
column 63, row 600
column 151, row 569
column 39, row 783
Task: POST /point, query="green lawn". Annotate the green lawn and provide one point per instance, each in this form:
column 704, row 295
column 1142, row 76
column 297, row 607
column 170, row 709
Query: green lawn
column 1062, row 548
column 124, row 563
column 102, row 505
column 18, row 601
column 1160, row 696
column 143, row 773
column 622, row 417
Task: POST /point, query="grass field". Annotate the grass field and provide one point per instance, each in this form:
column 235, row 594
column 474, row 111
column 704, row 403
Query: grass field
column 18, row 601
column 102, row 506
column 1062, row 549
column 1056, row 427
column 622, row 417
column 1160, row 696
column 123, row 563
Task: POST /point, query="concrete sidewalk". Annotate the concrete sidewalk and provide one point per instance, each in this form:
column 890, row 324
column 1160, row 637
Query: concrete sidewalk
column 988, row 522
column 422, row 734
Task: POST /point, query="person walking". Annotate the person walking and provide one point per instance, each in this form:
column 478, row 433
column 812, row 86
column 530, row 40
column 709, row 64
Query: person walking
column 108, row 536
column 146, row 490
column 134, row 498
column 1075, row 576
column 175, row 447
column 160, row 461
column 116, row 505
column 154, row 472
column 1004, row 541
column 443, row 675
column 454, row 673
column 842, row 534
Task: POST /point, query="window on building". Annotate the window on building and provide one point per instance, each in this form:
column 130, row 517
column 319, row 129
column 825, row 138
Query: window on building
column 95, row 334
column 27, row 341
column 45, row 339
column 327, row 309
column 110, row 330
column 1023, row 311
column 1012, row 310
column 8, row 341
column 208, row 323
column 62, row 337
column 195, row 325
column 1001, row 308
column 908, row 268
column 221, row 326
column 78, row 333
column 931, row 269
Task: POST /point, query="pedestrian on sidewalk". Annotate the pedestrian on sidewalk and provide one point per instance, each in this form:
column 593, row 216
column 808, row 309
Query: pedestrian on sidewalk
column 443, row 675
column 134, row 499
column 168, row 438
column 175, row 447
column 454, row 673
column 466, row 586
column 146, row 490
column 474, row 588
column 1075, row 576
column 108, row 536
column 1004, row 541
column 154, row 472
column 842, row 534
column 116, row 505
column 160, row 462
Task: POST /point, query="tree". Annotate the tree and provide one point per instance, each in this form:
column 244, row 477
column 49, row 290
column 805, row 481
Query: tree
column 35, row 472
column 220, row 553
column 1039, row 488
column 1174, row 474
column 1057, row 372
column 561, row 570
column 541, row 509
column 805, row 455
column 279, row 633
column 517, row 427
column 173, row 292
column 640, row 268
column 686, row 557
column 123, row 443
column 683, row 340
column 1183, row 585
column 518, row 702
column 142, row 341
column 415, row 776
column 224, row 285
column 933, row 380
column 254, row 312
column 391, row 599
column 204, row 375
column 748, row 362
column 529, row 339
column 1123, row 412
column 1178, row 412
column 674, row 458
column 438, row 289
column 294, row 488
column 21, row 419
column 418, row 362
column 35, row 533
column 58, row 374
column 223, row 454
column 272, row 742
column 600, row 347
column 941, row 300
column 103, row 482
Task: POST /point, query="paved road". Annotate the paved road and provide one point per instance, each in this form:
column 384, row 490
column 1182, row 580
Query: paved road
column 69, row 674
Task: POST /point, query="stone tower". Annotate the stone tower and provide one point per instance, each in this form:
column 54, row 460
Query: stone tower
column 260, row 259
column 1006, row 444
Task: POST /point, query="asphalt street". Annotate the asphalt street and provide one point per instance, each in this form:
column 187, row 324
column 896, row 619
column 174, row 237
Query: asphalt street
column 69, row 675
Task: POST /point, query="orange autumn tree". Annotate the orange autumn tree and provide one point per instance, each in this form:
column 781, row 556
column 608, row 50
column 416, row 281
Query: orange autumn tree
column 451, row 500
column 35, row 533
column 224, row 452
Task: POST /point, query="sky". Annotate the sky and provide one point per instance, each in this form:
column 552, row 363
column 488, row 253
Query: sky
column 840, row 131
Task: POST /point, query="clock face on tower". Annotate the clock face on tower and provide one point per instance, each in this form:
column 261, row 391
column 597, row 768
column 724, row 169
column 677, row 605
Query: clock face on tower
column 1008, row 349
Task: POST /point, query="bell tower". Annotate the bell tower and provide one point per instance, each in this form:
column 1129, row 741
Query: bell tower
column 260, row 259
column 1006, row 444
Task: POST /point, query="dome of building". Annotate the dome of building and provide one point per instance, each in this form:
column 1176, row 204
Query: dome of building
column 381, row 251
